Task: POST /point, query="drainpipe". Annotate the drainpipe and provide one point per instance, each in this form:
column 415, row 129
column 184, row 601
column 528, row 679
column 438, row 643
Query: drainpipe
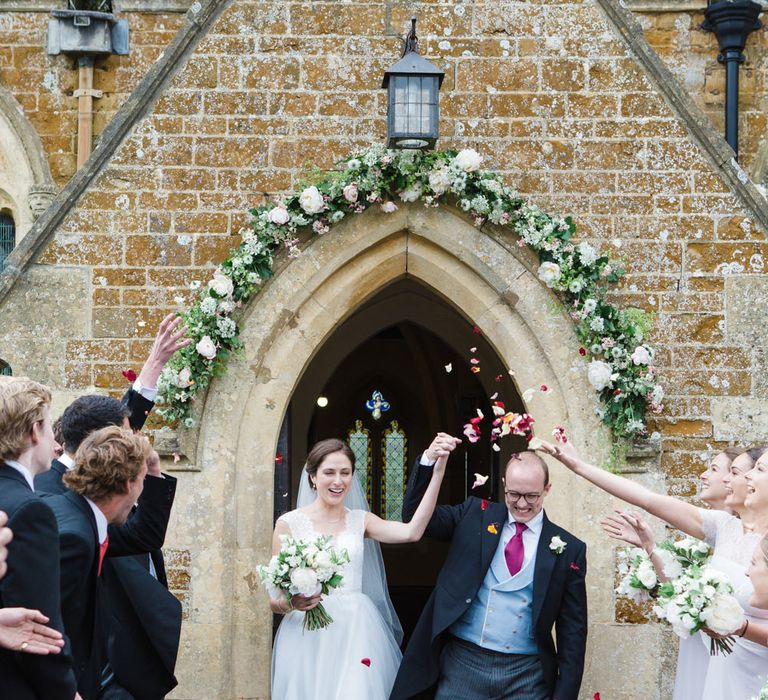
column 85, row 95
column 732, row 23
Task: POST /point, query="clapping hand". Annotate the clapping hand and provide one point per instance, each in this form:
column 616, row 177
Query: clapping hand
column 629, row 528
column 25, row 630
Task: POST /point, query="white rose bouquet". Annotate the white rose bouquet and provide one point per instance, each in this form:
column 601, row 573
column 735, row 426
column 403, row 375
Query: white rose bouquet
column 701, row 597
column 307, row 568
column 677, row 557
column 639, row 581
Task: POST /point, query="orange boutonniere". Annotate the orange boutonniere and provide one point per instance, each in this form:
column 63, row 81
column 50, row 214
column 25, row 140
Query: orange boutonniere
column 492, row 529
column 483, row 504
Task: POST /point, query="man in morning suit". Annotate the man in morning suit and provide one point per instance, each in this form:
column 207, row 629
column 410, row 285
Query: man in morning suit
column 32, row 576
column 105, row 483
column 511, row 575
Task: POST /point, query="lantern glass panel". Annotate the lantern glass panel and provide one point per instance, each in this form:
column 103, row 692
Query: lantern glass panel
column 414, row 106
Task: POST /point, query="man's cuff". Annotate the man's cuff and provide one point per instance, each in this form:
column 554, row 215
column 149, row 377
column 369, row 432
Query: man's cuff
column 425, row 461
column 148, row 394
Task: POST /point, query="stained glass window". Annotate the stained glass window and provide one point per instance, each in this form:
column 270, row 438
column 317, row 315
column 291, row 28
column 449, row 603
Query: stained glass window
column 394, row 453
column 359, row 440
column 5, row 369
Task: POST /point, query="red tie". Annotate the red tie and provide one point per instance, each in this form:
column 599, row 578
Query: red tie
column 514, row 551
column 102, row 553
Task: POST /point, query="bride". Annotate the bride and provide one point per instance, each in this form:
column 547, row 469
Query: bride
column 358, row 654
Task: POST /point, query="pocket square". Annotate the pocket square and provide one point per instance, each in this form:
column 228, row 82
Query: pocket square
column 575, row 566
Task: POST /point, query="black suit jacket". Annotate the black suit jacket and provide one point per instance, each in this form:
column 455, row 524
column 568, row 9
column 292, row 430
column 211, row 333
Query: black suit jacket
column 80, row 586
column 559, row 593
column 32, row 581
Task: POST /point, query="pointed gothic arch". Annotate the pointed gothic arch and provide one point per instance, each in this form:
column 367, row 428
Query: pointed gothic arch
column 486, row 276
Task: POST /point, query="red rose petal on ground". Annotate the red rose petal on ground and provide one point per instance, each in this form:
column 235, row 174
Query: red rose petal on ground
column 367, row 662
column 130, row 375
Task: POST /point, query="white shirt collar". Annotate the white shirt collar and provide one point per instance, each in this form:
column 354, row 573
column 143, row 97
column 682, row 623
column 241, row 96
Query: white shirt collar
column 534, row 524
column 67, row 461
column 23, row 471
column 101, row 520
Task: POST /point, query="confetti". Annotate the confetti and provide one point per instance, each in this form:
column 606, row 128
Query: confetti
column 130, row 375
column 583, row 352
column 528, row 394
column 476, row 330
column 278, row 458
column 597, row 696
column 474, row 361
column 535, row 444
column 473, row 350
column 475, row 369
column 498, row 408
column 559, row 434
column 449, row 368
column 472, row 433
column 483, row 504
column 616, row 392
column 495, row 447
column 575, row 567
column 495, row 396
column 499, row 377
column 492, row 529
column 366, row 662
column 511, row 372
column 480, row 480
column 176, row 458
column 543, row 388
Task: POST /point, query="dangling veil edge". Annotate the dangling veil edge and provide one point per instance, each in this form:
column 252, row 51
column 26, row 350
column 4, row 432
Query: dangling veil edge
column 374, row 573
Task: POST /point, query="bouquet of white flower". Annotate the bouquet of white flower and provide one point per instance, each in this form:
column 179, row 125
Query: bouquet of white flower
column 763, row 693
column 677, row 557
column 701, row 597
column 639, row 580
column 305, row 568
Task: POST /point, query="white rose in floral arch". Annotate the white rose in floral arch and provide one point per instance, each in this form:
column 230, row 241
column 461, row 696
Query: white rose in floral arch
column 184, row 378
column 311, row 201
column 587, row 253
column 278, row 215
column 599, row 374
column 440, row 180
column 206, row 347
column 642, row 355
column 221, row 284
column 549, row 273
column 412, row 193
column 388, row 207
column 351, row 193
column 468, row 160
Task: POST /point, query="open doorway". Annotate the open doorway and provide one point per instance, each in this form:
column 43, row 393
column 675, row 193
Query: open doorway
column 414, row 349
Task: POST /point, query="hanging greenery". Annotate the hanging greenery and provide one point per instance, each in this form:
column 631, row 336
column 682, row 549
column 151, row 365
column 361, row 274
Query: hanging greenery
column 618, row 361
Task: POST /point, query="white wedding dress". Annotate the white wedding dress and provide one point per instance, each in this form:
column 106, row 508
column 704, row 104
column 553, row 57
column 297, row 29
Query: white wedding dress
column 741, row 674
column 356, row 656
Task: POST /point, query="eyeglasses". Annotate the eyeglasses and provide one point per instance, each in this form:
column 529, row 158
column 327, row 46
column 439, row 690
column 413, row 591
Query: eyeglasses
column 514, row 496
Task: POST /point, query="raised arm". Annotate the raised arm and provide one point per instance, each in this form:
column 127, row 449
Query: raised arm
column 677, row 513
column 632, row 529
column 394, row 532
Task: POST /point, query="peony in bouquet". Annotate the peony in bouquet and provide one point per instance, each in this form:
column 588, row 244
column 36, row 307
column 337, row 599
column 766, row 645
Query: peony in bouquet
column 304, row 567
column 701, row 597
column 639, row 580
column 677, row 557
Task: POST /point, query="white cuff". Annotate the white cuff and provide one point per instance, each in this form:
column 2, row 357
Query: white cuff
column 425, row 461
column 148, row 394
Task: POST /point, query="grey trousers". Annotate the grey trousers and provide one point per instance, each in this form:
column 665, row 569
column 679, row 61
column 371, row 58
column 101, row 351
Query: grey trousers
column 469, row 672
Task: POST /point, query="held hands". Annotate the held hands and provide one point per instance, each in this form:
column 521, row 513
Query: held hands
column 441, row 446
column 25, row 630
column 5, row 537
column 629, row 528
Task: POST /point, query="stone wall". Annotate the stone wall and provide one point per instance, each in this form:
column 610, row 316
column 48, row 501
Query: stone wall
column 250, row 94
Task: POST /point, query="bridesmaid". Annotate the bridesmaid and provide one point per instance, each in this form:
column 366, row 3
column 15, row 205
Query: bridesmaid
column 741, row 674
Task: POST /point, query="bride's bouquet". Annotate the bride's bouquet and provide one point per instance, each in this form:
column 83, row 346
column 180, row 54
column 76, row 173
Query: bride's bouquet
column 701, row 597
column 677, row 557
column 305, row 567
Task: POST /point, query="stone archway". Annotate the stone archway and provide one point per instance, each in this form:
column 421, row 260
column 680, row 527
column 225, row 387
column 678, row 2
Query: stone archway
column 485, row 275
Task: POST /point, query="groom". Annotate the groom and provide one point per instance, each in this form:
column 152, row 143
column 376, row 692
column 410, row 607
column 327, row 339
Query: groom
column 510, row 576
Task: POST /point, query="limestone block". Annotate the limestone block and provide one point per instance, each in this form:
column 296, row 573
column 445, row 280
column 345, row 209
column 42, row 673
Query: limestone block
column 746, row 308
column 203, row 664
column 740, row 419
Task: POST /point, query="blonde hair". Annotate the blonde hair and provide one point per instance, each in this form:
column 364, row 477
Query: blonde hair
column 23, row 402
column 105, row 461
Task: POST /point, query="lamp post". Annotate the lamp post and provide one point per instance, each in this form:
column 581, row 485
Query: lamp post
column 732, row 23
column 412, row 84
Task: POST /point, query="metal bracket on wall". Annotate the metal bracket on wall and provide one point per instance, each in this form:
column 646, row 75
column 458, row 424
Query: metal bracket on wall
column 88, row 93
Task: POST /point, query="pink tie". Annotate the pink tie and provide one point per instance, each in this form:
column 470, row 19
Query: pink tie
column 514, row 551
column 102, row 553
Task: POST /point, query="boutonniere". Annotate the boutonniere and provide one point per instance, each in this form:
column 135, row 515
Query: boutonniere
column 557, row 545
column 483, row 504
column 493, row 528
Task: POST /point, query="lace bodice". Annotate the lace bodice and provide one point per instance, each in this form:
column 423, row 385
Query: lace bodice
column 733, row 549
column 350, row 538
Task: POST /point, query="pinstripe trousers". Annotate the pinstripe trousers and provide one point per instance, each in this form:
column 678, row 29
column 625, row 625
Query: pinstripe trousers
column 469, row 672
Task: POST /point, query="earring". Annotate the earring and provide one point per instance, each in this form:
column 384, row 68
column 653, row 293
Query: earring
column 314, row 486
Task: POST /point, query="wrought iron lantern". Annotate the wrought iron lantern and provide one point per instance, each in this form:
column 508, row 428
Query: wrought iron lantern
column 413, row 84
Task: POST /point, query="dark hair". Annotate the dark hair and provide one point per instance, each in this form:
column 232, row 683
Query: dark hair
column 324, row 448
column 89, row 413
column 756, row 452
column 732, row 452
column 537, row 457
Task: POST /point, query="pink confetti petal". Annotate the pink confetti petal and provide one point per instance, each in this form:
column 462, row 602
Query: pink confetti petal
column 130, row 375
column 476, row 330
column 499, row 377
column 366, row 662
column 543, row 388
column 480, row 480
column 495, row 396
column 473, row 350
column 495, row 447
column 558, row 433
column 474, row 361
